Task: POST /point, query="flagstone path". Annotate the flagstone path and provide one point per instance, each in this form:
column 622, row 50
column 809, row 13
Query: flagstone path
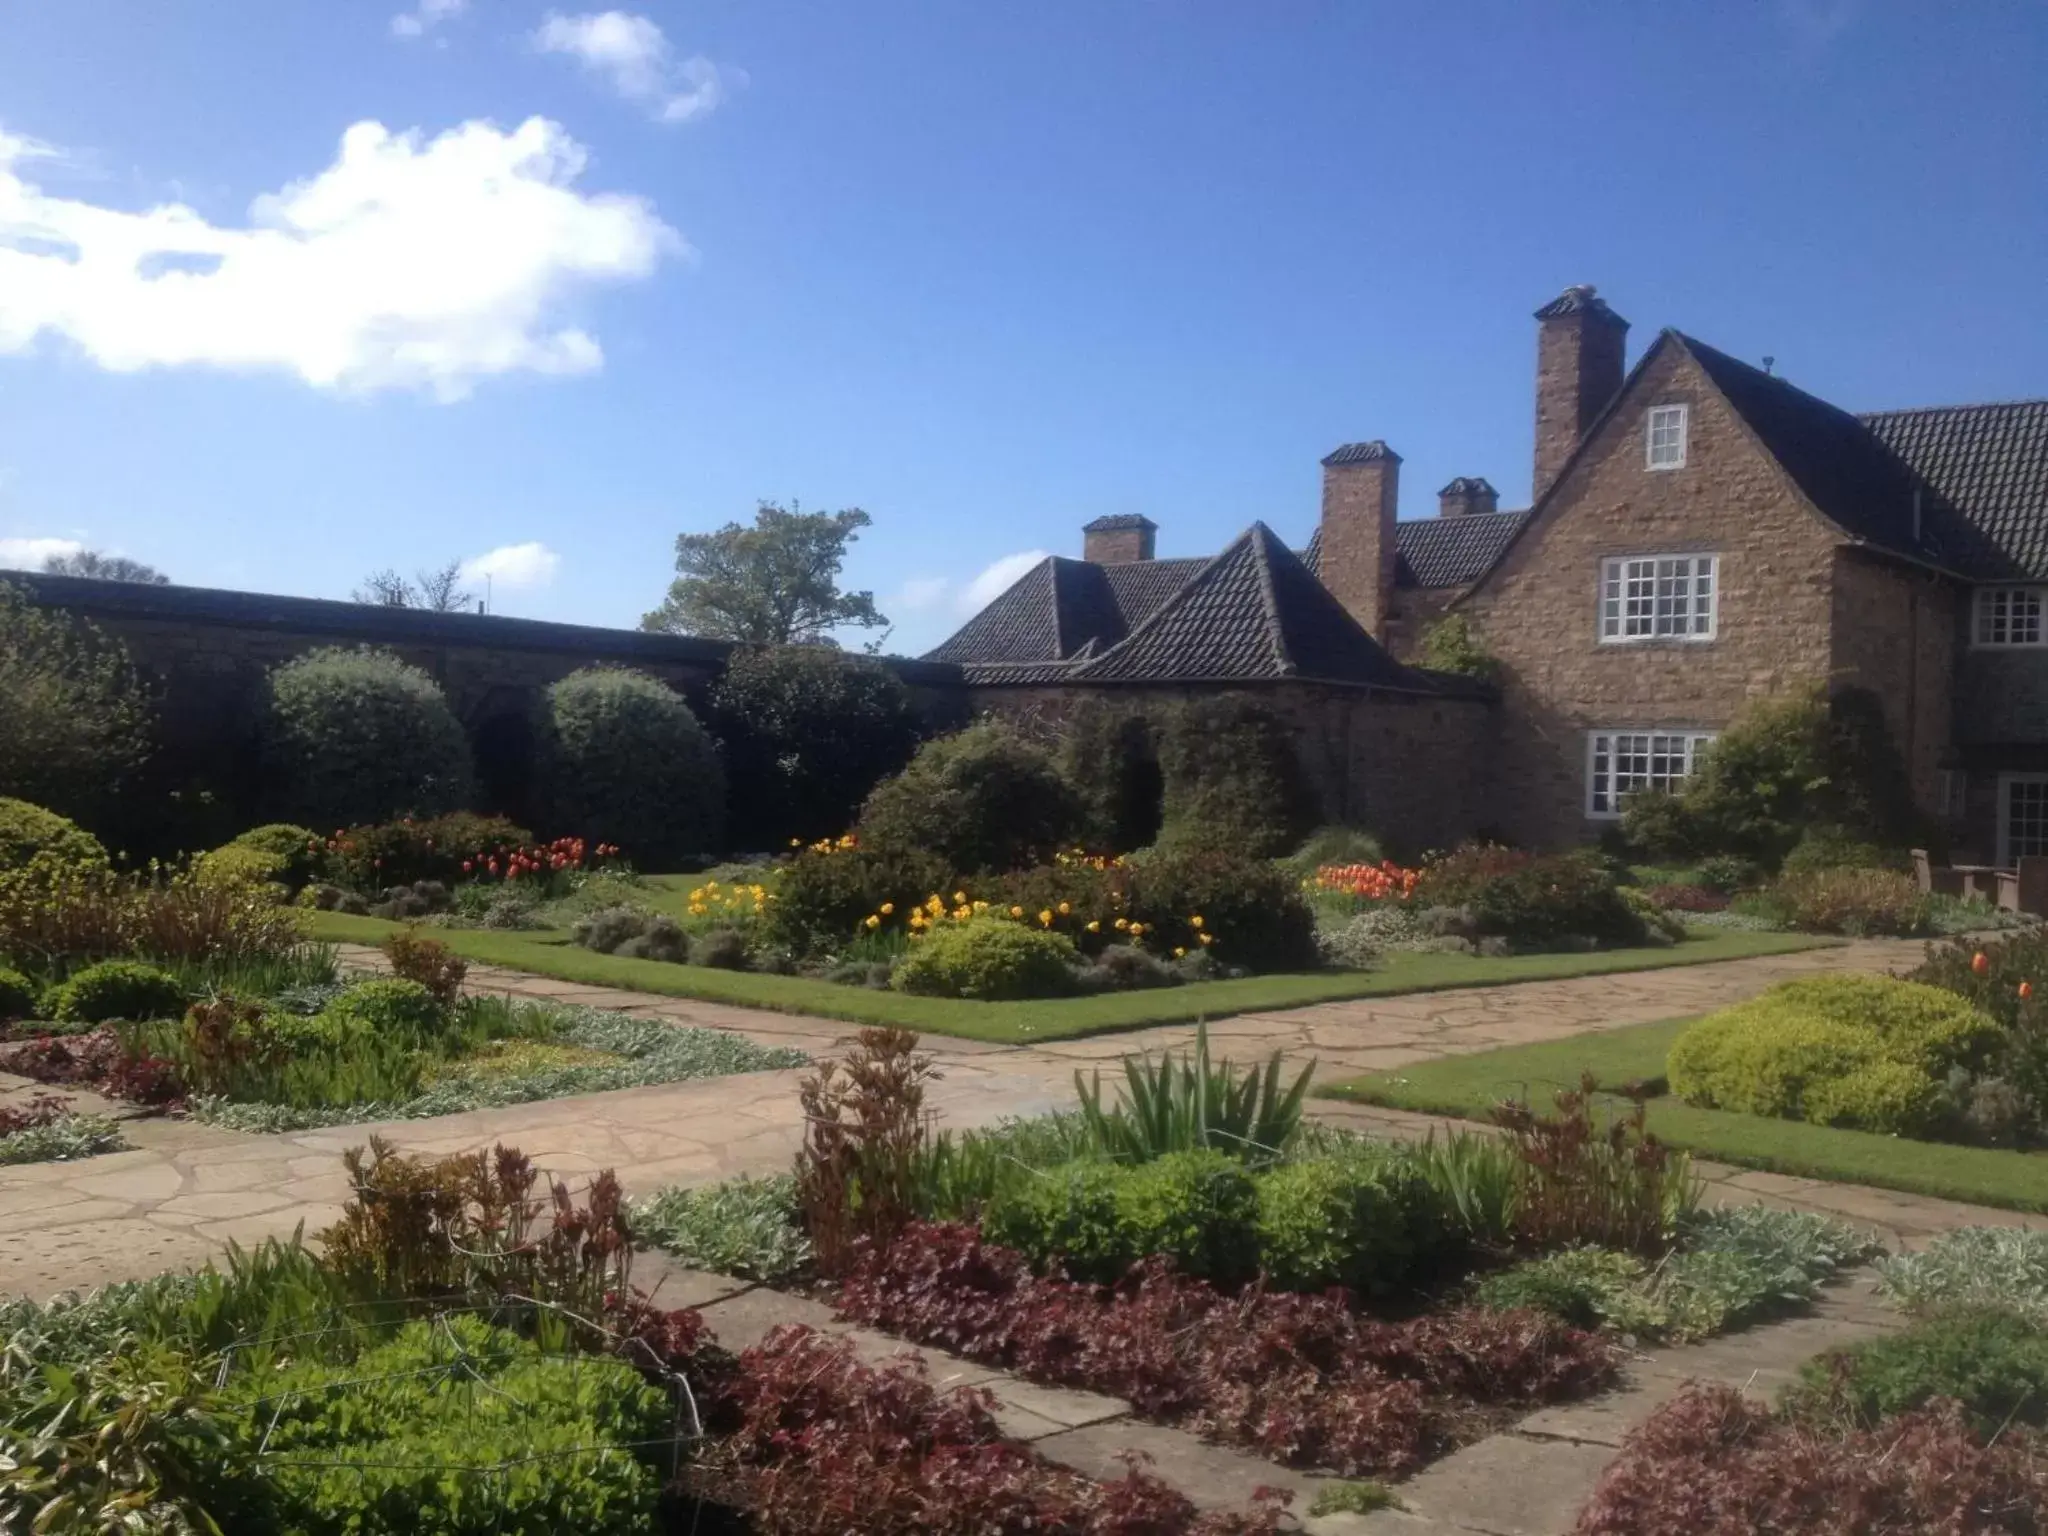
column 187, row 1189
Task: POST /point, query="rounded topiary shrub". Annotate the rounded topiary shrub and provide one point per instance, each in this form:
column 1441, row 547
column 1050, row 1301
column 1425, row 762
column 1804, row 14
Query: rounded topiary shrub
column 28, row 830
column 992, row 959
column 388, row 1006
column 1231, row 780
column 117, row 989
column 17, row 995
column 622, row 760
column 358, row 736
column 807, row 731
column 1866, row 1052
column 983, row 800
column 1343, row 1221
column 299, row 851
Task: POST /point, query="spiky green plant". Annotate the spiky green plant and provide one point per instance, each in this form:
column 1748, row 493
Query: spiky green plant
column 1182, row 1104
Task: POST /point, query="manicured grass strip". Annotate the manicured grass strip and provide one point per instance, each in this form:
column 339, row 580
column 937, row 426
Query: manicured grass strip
column 550, row 954
column 1469, row 1086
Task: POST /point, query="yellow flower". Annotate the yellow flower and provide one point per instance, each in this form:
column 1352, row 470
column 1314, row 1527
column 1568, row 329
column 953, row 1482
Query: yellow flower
column 1179, row 953
column 1123, row 922
column 1205, row 938
column 888, row 907
column 1137, row 929
column 1095, row 927
column 1195, row 921
column 1045, row 917
column 796, row 842
column 697, row 894
column 959, row 897
column 981, row 906
column 1066, row 909
column 935, row 906
column 1016, row 911
column 961, row 914
column 873, row 921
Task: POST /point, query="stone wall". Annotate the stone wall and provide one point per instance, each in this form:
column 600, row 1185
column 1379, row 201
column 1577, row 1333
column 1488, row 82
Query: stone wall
column 1410, row 614
column 1538, row 610
column 1415, row 769
column 1895, row 635
column 206, row 653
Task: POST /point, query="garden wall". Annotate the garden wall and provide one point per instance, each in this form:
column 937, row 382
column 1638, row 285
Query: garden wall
column 205, row 653
column 1416, row 769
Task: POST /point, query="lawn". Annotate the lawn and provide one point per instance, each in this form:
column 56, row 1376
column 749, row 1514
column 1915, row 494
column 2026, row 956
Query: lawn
column 1469, row 1086
column 550, row 954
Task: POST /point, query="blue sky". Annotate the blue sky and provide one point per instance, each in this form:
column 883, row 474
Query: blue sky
column 987, row 270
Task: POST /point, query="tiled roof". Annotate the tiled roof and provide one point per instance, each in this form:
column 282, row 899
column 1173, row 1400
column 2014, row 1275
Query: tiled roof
column 1361, row 453
column 1118, row 522
column 1577, row 299
column 1252, row 613
column 1989, row 465
column 1439, row 551
column 1851, row 477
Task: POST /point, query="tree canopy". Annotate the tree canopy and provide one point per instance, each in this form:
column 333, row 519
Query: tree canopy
column 77, row 722
column 776, row 583
column 438, row 591
column 93, row 565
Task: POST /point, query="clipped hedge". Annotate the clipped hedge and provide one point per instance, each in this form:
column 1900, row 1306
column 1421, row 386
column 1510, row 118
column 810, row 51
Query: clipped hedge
column 358, row 736
column 1365, row 1224
column 983, row 801
column 116, row 989
column 622, row 760
column 990, row 959
column 1096, row 1219
column 28, row 830
column 299, row 852
column 1230, row 780
column 1864, row 1052
column 1252, row 911
column 17, row 995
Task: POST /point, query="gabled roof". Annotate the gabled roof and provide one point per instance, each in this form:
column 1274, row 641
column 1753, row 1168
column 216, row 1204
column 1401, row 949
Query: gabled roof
column 1439, row 551
column 1988, row 466
column 1253, row 613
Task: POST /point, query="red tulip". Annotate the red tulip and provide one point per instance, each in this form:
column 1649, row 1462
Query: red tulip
column 2026, row 990
column 467, row 865
column 1980, row 962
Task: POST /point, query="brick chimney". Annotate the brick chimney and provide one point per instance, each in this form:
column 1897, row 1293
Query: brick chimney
column 1465, row 496
column 1580, row 348
column 1361, row 489
column 1119, row 539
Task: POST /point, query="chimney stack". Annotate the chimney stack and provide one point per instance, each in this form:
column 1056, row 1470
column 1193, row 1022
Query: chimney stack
column 1361, row 492
column 1580, row 348
column 1467, row 496
column 1118, row 539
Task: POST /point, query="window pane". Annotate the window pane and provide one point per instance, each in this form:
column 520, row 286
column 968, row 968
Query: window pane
column 2026, row 818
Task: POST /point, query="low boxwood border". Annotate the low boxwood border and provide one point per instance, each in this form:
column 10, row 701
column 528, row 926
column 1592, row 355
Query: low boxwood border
column 551, row 954
column 1467, row 1087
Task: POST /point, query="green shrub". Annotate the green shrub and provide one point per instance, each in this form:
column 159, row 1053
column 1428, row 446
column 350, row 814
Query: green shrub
column 1993, row 1362
column 1253, row 913
column 384, row 854
column 388, row 1007
column 1077, row 891
column 353, row 737
column 28, row 830
column 1333, row 845
column 233, row 866
column 77, row 718
column 1107, row 752
column 983, row 800
column 1364, row 1223
column 622, row 760
column 456, row 1427
column 1341, row 1496
column 807, row 732
column 117, row 989
column 1231, row 780
column 1533, row 899
column 824, row 895
column 17, row 995
column 1654, row 823
column 1198, row 1208
column 1585, row 1286
column 2008, row 961
column 988, row 958
column 743, row 1226
column 1822, row 848
column 300, row 851
column 1451, row 644
column 1866, row 1052
column 1860, row 903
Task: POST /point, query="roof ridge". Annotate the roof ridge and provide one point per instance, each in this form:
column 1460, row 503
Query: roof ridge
column 1173, row 601
column 1276, row 627
column 1059, row 634
column 1932, row 410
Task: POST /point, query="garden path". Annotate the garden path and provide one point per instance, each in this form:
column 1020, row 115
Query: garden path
column 187, row 1189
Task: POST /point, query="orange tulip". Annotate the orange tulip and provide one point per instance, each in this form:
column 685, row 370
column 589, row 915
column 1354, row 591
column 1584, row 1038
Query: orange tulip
column 1980, row 962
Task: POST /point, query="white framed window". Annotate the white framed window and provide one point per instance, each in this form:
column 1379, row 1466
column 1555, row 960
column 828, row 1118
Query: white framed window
column 1658, row 597
column 1619, row 763
column 2009, row 616
column 2022, row 816
column 1664, row 441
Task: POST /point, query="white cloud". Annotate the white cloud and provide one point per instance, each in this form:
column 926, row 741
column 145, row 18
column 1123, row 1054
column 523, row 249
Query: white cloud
column 514, row 565
column 426, row 16
column 923, row 592
column 633, row 56
column 995, row 580
column 29, row 554
column 407, row 263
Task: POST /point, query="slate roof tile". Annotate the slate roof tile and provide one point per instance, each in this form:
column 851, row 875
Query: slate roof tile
column 1988, row 464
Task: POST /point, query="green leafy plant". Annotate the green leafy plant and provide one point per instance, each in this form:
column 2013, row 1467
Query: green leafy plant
column 1860, row 903
column 1362, row 1497
column 1252, row 913
column 1096, row 1219
column 1479, row 1179
column 428, row 964
column 824, row 894
column 58, row 1138
column 27, row 831
column 116, row 989
column 1585, row 1286
column 982, row 800
column 17, row 995
column 622, row 760
column 353, row 737
column 1992, row 1361
column 1451, row 644
column 1584, row 1181
column 1188, row 1103
column 1869, row 1052
column 991, row 959
column 1533, row 899
column 1368, row 1223
column 863, row 1132
column 1972, row 1267
column 957, row 1174
column 742, row 1226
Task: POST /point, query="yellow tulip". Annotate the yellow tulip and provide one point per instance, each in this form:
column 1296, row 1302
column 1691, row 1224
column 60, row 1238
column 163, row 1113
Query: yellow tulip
column 1095, row 927
column 888, row 907
column 959, row 897
column 1123, row 922
column 1137, row 929
column 1195, row 921
column 1066, row 909
column 1016, row 911
column 1179, row 953
column 874, row 922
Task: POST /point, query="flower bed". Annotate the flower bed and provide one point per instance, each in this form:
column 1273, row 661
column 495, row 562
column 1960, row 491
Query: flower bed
column 45, row 1129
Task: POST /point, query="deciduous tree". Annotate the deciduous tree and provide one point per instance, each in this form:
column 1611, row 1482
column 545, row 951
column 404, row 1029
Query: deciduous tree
column 775, row 583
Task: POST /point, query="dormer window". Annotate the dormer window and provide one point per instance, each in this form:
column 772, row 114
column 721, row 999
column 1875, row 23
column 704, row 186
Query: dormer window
column 1665, row 442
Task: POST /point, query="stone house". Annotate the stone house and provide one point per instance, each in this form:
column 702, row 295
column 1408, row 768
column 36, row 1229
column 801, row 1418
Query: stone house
column 1702, row 532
